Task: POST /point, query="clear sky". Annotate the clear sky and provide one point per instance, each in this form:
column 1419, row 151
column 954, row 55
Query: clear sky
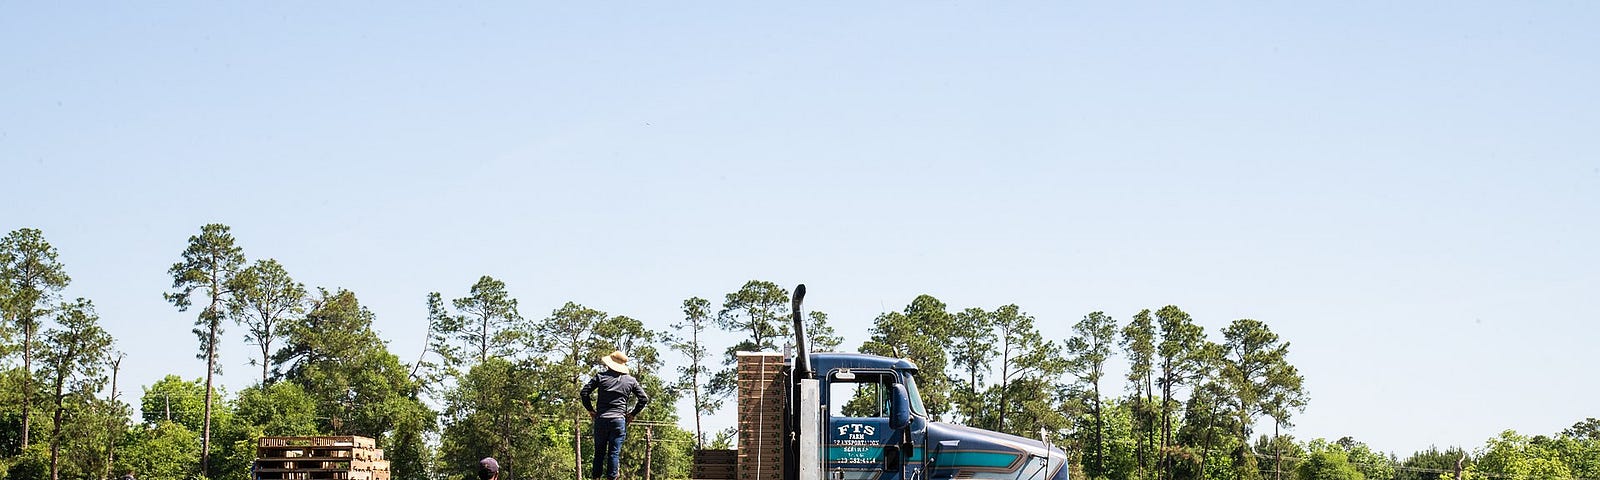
column 1409, row 193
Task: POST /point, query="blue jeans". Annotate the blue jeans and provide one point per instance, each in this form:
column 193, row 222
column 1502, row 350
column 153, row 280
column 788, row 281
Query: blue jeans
column 608, row 436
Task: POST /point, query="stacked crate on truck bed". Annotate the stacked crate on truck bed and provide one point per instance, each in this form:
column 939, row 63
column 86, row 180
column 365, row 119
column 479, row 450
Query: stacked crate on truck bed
column 761, row 420
column 320, row 458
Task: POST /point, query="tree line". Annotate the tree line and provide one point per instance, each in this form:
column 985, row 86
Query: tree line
column 492, row 381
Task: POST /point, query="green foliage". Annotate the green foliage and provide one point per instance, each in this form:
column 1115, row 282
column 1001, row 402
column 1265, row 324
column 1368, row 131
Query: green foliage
column 442, row 328
column 73, row 358
column 1514, row 455
column 264, row 296
column 487, row 315
column 163, row 451
column 357, row 386
column 493, row 412
column 209, row 264
column 1425, row 465
column 696, row 316
column 1138, row 344
column 972, row 350
column 572, row 346
column 820, row 336
column 918, row 333
column 174, row 399
column 1280, row 455
column 1372, row 465
column 1026, row 398
column 1086, row 353
column 1588, row 429
column 335, row 357
column 32, row 464
column 31, row 278
column 1327, row 464
column 278, row 409
column 759, row 310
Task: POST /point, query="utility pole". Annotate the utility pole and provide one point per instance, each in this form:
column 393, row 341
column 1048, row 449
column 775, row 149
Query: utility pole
column 111, row 444
column 650, row 444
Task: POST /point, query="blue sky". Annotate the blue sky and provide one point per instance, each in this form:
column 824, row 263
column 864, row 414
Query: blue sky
column 1407, row 193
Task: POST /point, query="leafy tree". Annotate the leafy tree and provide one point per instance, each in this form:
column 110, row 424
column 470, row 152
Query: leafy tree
column 1207, row 424
column 659, row 418
column 1285, row 452
column 32, row 279
column 1284, row 397
column 1087, row 352
column 917, row 333
column 972, row 350
column 279, row 409
column 759, row 308
column 1425, row 465
column 1255, row 360
column 820, row 337
column 1588, row 429
column 1327, row 462
column 1372, row 465
column 358, row 386
column 1028, row 363
column 442, row 326
column 163, row 451
column 209, row 264
column 1511, row 455
column 696, row 315
column 264, row 295
column 1138, row 342
column 492, row 412
column 568, row 336
column 1181, row 356
column 74, row 356
column 488, row 312
column 1120, row 442
column 1582, row 455
column 89, row 429
column 175, row 400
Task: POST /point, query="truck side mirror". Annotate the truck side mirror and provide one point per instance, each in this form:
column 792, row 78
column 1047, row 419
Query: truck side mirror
column 899, row 407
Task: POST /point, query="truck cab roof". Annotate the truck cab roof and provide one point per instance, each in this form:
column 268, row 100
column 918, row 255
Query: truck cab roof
column 824, row 362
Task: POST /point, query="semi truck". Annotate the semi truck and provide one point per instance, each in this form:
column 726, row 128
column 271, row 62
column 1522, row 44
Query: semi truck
column 850, row 416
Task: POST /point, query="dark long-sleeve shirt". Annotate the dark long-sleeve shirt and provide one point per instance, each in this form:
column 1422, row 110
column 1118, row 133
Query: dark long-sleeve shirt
column 615, row 388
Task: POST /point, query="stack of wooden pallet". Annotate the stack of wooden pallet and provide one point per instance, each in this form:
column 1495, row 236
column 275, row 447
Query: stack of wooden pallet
column 715, row 465
column 319, row 458
column 761, row 421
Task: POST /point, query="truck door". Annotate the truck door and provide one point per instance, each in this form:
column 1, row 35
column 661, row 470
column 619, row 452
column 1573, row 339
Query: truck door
column 861, row 445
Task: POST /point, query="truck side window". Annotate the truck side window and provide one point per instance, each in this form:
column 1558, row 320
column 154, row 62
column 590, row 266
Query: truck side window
column 864, row 397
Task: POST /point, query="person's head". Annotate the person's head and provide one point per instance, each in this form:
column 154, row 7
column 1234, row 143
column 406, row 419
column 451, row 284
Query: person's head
column 129, row 473
column 488, row 469
column 616, row 361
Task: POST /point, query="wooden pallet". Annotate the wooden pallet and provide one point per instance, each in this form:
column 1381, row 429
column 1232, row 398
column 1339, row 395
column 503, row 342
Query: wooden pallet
column 715, row 465
column 762, row 395
column 319, row 458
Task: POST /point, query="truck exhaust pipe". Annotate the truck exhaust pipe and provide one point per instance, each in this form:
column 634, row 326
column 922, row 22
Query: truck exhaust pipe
column 802, row 357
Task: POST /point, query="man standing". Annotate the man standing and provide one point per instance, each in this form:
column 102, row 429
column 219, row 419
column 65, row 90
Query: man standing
column 612, row 417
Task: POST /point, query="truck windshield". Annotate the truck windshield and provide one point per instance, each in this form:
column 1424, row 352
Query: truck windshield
column 916, row 398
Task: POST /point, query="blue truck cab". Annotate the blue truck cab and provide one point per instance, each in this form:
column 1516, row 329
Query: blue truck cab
column 874, row 426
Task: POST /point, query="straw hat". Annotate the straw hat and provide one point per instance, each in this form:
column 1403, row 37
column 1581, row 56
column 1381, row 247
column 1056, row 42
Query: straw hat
column 616, row 361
